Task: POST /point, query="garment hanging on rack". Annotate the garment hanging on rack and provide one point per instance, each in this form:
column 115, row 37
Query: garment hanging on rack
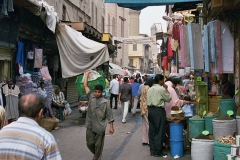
column 164, row 46
column 11, row 96
column 169, row 48
column 38, row 58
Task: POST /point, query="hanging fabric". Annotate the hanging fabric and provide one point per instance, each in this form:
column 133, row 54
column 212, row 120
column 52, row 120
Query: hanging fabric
column 38, row 58
column 164, row 46
column 195, row 43
column 184, row 44
column 212, row 41
column 20, row 58
column 227, row 48
column 206, row 49
column 219, row 46
column 165, row 63
column 169, row 47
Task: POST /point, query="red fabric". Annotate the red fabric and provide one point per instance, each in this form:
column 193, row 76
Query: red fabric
column 176, row 32
column 165, row 62
column 169, row 47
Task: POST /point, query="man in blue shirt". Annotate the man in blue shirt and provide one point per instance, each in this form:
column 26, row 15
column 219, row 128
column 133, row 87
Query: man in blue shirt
column 135, row 86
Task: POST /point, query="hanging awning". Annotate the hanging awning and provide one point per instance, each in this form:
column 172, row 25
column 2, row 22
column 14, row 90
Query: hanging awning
column 140, row 4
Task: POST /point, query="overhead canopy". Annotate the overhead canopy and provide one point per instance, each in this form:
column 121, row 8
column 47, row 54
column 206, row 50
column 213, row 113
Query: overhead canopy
column 78, row 53
column 140, row 4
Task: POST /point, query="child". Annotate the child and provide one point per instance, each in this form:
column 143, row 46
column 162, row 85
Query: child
column 98, row 114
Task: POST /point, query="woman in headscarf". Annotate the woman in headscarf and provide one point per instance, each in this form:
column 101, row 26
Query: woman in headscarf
column 168, row 106
column 144, row 111
column 175, row 99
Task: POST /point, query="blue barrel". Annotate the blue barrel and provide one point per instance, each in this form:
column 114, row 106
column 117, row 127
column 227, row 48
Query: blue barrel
column 176, row 148
column 227, row 104
column 176, row 131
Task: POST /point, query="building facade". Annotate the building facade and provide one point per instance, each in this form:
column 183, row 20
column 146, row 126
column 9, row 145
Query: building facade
column 139, row 54
column 116, row 23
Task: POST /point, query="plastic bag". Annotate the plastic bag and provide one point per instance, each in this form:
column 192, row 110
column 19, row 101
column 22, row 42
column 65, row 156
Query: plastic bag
column 68, row 109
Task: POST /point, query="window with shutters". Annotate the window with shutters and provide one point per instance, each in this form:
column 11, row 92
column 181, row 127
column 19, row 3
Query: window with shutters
column 134, row 47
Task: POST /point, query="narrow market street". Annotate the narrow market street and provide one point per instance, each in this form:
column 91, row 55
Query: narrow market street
column 124, row 144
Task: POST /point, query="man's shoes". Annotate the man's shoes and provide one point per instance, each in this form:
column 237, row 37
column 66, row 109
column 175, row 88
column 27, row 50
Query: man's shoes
column 160, row 155
column 114, row 107
column 144, row 144
column 124, row 122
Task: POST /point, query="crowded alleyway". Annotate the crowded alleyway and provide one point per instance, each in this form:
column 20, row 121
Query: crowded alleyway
column 124, row 144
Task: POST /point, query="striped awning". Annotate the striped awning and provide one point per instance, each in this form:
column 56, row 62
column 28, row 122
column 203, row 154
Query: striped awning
column 140, row 4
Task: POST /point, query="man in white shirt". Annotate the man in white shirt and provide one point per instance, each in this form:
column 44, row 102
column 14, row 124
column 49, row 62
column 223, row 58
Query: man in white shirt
column 114, row 89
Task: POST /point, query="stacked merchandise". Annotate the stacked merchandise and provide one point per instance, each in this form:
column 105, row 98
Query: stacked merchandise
column 26, row 84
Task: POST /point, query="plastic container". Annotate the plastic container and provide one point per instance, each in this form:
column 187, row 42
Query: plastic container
column 227, row 104
column 223, row 128
column 176, row 148
column 202, row 149
column 176, row 131
column 221, row 151
column 238, row 124
column 208, row 123
column 196, row 126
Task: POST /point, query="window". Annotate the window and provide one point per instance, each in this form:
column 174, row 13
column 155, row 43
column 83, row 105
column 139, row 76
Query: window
column 64, row 12
column 122, row 28
column 92, row 14
column 134, row 47
column 109, row 24
column 113, row 26
column 103, row 29
column 130, row 62
column 96, row 18
column 80, row 19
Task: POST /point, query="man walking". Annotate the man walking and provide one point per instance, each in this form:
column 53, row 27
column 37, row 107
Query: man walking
column 24, row 138
column 135, row 87
column 125, row 94
column 114, row 89
column 98, row 114
column 157, row 95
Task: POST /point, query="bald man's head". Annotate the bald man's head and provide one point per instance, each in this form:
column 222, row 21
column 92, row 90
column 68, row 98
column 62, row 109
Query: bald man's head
column 30, row 105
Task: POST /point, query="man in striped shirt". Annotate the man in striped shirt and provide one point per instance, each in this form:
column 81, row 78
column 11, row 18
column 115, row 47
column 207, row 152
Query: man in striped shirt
column 25, row 139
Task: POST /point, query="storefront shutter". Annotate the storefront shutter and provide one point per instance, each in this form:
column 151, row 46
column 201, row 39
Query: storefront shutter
column 5, row 53
column 72, row 94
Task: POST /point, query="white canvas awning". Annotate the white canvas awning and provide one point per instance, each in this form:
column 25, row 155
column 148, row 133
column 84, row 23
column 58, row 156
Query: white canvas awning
column 78, row 53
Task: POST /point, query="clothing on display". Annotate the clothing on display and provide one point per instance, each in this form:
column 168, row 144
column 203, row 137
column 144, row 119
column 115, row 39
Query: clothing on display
column 38, row 58
column 30, row 55
column 11, row 95
column 206, row 49
column 219, row 46
column 212, row 47
column 165, row 63
column 169, row 48
column 164, row 46
column 20, row 58
column 184, row 45
column 195, row 43
column 6, row 6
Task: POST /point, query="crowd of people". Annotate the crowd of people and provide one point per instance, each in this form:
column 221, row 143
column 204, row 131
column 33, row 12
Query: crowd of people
column 26, row 139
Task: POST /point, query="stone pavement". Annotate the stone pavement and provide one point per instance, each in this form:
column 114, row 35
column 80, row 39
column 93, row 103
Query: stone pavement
column 124, row 144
